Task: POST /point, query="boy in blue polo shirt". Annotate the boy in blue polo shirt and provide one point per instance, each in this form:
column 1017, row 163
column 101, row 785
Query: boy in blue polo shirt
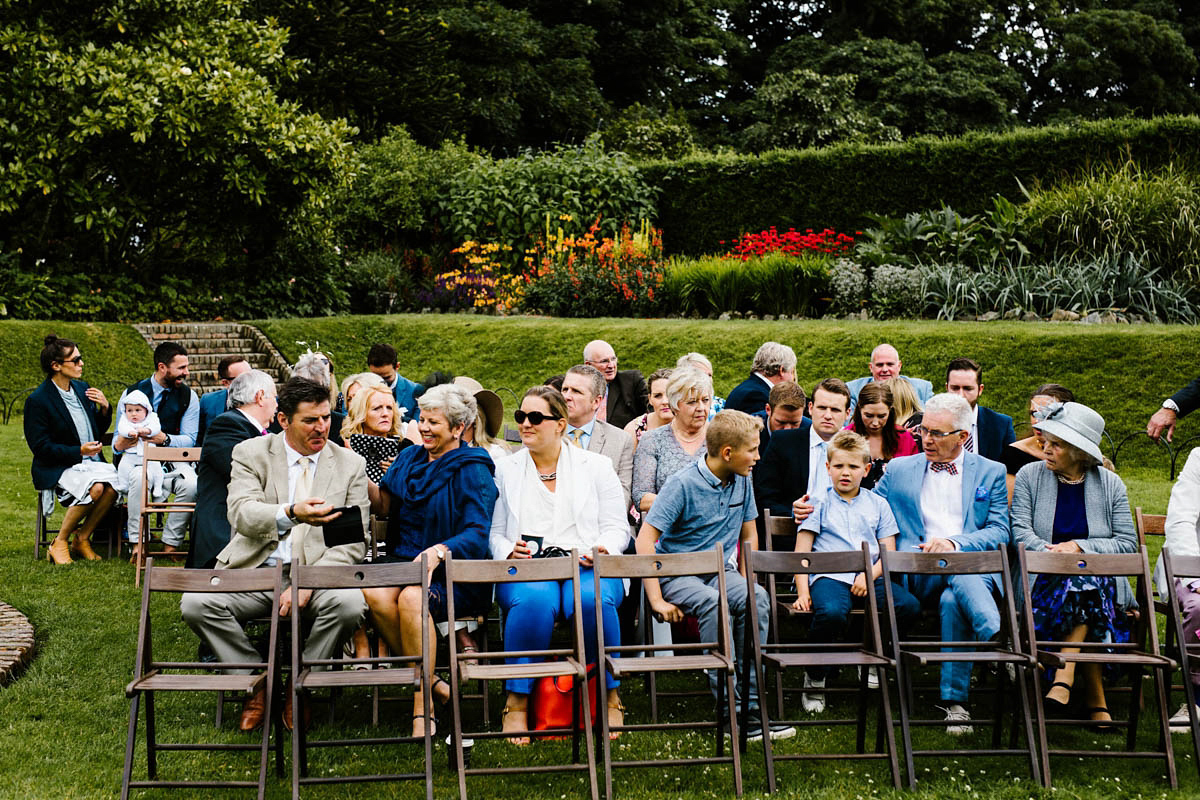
column 708, row 503
column 844, row 517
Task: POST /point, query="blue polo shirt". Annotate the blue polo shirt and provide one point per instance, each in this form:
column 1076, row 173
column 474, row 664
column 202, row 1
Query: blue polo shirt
column 696, row 512
column 841, row 525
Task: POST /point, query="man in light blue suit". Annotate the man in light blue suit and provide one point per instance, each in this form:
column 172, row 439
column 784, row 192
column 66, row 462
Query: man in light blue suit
column 213, row 404
column 885, row 363
column 949, row 499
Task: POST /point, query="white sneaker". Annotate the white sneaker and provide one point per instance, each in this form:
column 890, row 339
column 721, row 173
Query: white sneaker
column 1180, row 722
column 957, row 714
column 813, row 702
column 872, row 678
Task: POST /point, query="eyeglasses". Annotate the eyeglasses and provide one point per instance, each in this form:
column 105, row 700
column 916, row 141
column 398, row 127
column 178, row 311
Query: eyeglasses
column 75, row 360
column 603, row 361
column 922, row 431
column 535, row 417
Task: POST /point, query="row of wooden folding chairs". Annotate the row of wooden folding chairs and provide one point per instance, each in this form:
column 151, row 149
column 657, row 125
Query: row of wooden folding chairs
column 882, row 648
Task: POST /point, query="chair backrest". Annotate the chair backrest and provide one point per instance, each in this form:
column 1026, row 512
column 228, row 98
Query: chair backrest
column 513, row 570
column 351, row 576
column 779, row 531
column 1038, row 562
column 956, row 563
column 1180, row 566
column 171, row 454
column 659, row 565
column 1149, row 524
column 173, row 579
column 809, row 563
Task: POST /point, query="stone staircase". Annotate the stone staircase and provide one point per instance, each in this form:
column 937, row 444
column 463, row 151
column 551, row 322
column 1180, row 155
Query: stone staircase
column 208, row 342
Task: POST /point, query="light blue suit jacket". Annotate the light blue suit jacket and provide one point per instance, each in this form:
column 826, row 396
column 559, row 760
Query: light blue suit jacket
column 985, row 523
column 923, row 388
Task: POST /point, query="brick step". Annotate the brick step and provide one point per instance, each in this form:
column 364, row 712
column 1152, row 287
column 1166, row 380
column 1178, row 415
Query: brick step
column 206, row 361
column 211, row 346
column 172, row 330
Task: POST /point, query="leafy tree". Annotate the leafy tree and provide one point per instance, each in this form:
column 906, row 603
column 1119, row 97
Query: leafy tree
column 151, row 141
column 646, row 134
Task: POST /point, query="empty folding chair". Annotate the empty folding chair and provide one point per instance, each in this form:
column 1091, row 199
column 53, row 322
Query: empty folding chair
column 413, row 672
column 864, row 654
column 623, row 661
column 151, row 676
column 1008, row 648
column 1139, row 654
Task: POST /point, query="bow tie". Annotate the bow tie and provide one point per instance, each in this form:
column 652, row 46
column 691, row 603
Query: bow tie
column 944, row 466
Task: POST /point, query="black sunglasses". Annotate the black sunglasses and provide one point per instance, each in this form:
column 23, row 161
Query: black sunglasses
column 534, row 417
column 75, row 360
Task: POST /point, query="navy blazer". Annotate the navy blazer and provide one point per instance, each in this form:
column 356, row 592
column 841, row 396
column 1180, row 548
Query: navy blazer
column 50, row 432
column 781, row 474
column 210, row 523
column 985, row 523
column 750, row 395
column 995, row 433
column 212, row 405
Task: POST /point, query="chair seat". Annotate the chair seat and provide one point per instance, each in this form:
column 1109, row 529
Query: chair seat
column 504, row 672
column 340, row 678
column 925, row 658
column 183, row 682
column 827, row 658
column 1133, row 658
column 631, row 666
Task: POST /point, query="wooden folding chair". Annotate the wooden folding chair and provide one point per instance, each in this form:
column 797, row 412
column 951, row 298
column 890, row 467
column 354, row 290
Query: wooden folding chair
column 159, row 455
column 1137, row 655
column 867, row 653
column 1186, row 568
column 568, row 661
column 1009, row 648
column 414, row 672
column 151, row 676
column 624, row 661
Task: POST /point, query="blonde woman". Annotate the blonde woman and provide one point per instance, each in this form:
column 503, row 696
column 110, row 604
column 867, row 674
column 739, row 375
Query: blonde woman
column 905, row 403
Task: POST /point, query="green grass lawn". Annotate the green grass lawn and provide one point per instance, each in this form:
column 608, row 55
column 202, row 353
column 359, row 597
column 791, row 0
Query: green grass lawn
column 62, row 724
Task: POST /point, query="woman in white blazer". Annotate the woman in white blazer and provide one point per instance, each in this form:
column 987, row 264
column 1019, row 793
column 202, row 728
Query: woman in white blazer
column 1183, row 539
column 555, row 495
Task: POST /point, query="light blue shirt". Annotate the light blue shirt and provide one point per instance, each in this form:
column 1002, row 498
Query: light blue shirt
column 841, row 525
column 696, row 512
column 586, row 436
column 83, row 426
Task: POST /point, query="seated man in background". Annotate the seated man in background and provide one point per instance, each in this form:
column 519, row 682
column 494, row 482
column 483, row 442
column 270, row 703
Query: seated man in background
column 990, row 431
column 215, row 403
column 625, row 391
column 282, row 489
column 784, row 411
column 773, row 364
column 583, row 389
column 382, row 360
column 885, row 363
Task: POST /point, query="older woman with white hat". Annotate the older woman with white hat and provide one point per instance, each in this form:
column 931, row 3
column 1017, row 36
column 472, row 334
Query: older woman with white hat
column 1069, row 503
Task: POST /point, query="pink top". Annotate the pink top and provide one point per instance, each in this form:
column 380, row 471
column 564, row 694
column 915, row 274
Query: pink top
column 907, row 446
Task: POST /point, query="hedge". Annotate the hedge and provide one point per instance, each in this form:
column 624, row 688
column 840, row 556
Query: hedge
column 707, row 199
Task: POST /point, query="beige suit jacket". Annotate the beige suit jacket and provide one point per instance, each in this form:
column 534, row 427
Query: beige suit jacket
column 617, row 445
column 258, row 485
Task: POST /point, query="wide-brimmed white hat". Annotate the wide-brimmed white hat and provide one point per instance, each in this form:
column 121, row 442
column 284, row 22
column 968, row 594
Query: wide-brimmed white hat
column 1075, row 424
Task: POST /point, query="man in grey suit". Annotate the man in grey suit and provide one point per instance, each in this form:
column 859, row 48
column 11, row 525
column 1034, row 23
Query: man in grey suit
column 583, row 389
column 281, row 490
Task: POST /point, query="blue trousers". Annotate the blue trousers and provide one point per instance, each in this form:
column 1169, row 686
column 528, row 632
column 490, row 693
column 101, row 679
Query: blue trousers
column 968, row 612
column 831, row 604
column 531, row 609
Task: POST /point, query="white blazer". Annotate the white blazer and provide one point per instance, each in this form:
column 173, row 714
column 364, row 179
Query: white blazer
column 597, row 502
column 1183, row 518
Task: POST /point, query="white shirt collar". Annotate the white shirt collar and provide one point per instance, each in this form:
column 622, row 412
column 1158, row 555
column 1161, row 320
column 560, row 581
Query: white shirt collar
column 259, row 426
column 765, row 380
column 293, row 455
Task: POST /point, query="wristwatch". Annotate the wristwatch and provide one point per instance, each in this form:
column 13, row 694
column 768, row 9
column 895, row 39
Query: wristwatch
column 1170, row 405
column 441, row 552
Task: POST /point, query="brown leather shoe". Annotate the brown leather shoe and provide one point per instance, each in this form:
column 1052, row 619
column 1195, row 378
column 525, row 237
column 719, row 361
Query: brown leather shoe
column 83, row 549
column 287, row 709
column 58, row 552
column 253, row 710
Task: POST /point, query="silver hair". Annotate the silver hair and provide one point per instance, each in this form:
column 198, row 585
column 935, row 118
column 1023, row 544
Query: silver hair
column 685, row 381
column 363, row 379
column 315, row 367
column 587, row 348
column 244, row 387
column 693, row 359
column 455, row 402
column 958, row 408
column 592, row 374
column 773, row 358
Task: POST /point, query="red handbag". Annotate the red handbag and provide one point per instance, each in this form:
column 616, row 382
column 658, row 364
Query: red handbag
column 551, row 700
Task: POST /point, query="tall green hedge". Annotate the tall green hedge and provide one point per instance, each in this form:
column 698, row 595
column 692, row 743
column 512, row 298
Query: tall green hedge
column 707, row 199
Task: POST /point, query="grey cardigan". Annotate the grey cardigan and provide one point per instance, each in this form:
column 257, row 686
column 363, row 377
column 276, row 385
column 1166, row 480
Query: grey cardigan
column 1110, row 524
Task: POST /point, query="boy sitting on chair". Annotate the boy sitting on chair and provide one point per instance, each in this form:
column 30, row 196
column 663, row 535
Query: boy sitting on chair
column 844, row 517
column 708, row 503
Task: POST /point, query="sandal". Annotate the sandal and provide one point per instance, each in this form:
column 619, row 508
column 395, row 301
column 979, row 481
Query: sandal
column 1102, row 728
column 469, row 648
column 432, row 719
column 1057, row 708
column 516, row 741
column 619, row 707
column 438, row 680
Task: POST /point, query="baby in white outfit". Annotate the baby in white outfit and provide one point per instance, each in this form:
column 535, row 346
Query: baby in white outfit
column 138, row 422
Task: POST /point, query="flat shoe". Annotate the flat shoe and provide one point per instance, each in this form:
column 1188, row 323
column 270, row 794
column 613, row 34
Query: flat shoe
column 1056, row 708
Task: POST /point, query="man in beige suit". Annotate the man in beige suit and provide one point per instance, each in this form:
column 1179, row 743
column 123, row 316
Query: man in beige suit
column 583, row 389
column 281, row 489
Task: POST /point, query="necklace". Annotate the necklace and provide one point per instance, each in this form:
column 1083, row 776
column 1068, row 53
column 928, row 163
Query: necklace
column 1068, row 481
column 549, row 477
column 683, row 438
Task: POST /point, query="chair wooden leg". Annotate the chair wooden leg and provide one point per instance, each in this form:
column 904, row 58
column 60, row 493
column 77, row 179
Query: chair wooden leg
column 603, row 734
column 1034, row 676
column 130, row 740
column 734, row 750
column 459, row 760
column 885, row 725
column 264, row 755
column 860, row 733
column 1161, row 687
column 298, row 766
column 904, row 692
column 1029, row 707
column 151, row 752
column 765, row 722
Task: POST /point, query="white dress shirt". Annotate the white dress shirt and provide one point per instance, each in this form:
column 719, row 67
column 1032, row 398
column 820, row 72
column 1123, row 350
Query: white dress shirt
column 818, row 473
column 941, row 501
column 283, row 553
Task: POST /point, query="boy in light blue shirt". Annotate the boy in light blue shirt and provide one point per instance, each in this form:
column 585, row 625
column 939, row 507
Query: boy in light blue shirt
column 845, row 516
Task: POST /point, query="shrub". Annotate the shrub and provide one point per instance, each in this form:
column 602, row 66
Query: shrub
column 945, row 236
column 773, row 284
column 896, row 292
column 588, row 276
column 382, row 282
column 1121, row 209
column 508, row 201
column 791, row 243
column 643, row 133
column 848, row 285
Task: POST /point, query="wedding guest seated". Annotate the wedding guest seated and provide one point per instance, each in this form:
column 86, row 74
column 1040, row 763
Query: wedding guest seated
column 625, row 392
column 582, row 390
column 1183, row 540
column 773, row 363
column 352, row 383
column 885, row 363
column 991, row 432
column 1071, row 504
column 555, row 498
column 318, row 368
column 668, row 449
column 383, row 361
column 905, row 403
column 701, row 362
column 1029, row 449
column 784, row 411
column 875, row 420
column 483, row 430
column 215, row 403
column 658, row 412
column 64, row 419
column 439, row 499
column 373, row 412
